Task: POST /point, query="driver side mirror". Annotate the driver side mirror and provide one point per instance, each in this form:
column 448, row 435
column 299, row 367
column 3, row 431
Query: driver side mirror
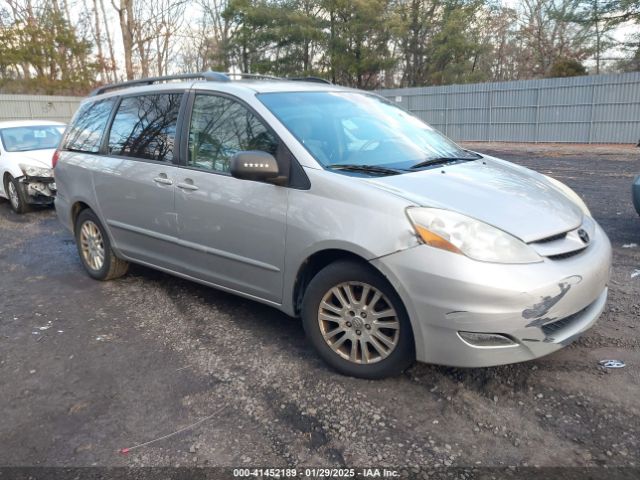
column 254, row 165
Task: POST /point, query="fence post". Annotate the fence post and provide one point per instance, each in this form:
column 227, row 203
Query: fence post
column 446, row 114
column 593, row 100
column 536, row 135
column 490, row 132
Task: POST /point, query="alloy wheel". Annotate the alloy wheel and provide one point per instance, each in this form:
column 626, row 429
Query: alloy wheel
column 358, row 322
column 92, row 245
column 13, row 195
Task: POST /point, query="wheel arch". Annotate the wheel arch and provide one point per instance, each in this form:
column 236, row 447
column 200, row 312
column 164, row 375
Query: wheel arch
column 11, row 169
column 76, row 208
column 5, row 178
column 80, row 204
column 6, row 175
column 315, row 262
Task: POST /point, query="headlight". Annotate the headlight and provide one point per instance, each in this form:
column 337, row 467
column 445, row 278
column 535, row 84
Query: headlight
column 31, row 171
column 570, row 194
column 458, row 233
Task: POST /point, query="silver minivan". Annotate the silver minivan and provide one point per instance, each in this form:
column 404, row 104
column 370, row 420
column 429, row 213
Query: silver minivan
column 391, row 242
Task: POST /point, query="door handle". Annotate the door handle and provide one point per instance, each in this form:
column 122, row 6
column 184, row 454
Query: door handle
column 187, row 186
column 163, row 180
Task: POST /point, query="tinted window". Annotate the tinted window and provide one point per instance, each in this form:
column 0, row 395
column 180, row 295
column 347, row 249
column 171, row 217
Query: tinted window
column 87, row 126
column 221, row 127
column 145, row 127
column 22, row 139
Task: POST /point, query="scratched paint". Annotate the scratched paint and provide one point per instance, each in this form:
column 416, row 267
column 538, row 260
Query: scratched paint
column 541, row 321
column 546, row 303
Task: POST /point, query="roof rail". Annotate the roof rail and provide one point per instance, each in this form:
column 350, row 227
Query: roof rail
column 309, row 79
column 253, row 75
column 208, row 76
column 272, row 77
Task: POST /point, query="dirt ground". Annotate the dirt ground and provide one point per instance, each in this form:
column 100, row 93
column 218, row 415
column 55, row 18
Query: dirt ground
column 88, row 368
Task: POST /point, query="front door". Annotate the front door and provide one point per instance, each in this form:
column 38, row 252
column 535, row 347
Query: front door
column 232, row 231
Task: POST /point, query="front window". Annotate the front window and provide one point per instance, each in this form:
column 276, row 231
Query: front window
column 222, row 127
column 351, row 128
column 22, row 139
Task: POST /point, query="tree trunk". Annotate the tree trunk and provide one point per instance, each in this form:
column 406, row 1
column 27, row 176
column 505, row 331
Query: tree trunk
column 113, row 66
column 125, row 16
column 98, row 37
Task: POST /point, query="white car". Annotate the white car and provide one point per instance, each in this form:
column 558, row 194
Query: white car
column 26, row 149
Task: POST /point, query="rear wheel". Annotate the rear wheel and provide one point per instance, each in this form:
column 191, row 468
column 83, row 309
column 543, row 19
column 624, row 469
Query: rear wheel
column 16, row 198
column 95, row 250
column 357, row 322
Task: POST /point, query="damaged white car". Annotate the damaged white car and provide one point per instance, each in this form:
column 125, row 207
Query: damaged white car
column 26, row 149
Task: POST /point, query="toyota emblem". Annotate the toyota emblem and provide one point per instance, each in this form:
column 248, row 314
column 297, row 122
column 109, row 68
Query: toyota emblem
column 584, row 236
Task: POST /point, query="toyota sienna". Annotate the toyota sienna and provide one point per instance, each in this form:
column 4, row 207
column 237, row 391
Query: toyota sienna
column 387, row 239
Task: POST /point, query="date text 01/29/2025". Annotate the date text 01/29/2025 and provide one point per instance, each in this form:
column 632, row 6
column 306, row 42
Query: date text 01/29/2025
column 315, row 472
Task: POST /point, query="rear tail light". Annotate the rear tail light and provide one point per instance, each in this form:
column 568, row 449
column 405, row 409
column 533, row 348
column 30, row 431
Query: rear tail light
column 55, row 158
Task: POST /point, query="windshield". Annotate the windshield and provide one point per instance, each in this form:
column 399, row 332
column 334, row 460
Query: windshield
column 351, row 128
column 22, row 139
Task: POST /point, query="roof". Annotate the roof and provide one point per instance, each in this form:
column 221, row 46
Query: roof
column 218, row 82
column 28, row 123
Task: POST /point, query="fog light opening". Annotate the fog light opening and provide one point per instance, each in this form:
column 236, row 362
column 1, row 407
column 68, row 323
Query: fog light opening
column 476, row 339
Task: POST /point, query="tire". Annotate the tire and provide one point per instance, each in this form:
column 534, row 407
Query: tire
column 357, row 327
column 93, row 240
column 16, row 196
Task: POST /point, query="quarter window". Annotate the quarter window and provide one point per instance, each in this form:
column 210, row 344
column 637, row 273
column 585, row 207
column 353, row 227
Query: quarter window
column 220, row 128
column 88, row 125
column 145, row 127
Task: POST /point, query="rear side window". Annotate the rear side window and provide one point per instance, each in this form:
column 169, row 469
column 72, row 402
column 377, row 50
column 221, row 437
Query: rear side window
column 88, row 125
column 145, row 127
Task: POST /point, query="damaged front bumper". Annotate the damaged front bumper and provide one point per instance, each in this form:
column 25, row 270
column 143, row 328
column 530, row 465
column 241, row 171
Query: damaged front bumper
column 466, row 313
column 37, row 190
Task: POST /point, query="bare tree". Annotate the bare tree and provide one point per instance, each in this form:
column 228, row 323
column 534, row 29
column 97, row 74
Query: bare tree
column 148, row 30
column 113, row 64
column 165, row 21
column 124, row 8
column 548, row 35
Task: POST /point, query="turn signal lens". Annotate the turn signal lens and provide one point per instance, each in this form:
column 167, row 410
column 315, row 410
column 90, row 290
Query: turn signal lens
column 434, row 240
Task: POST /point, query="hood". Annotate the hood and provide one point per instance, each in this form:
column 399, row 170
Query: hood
column 36, row 158
column 512, row 198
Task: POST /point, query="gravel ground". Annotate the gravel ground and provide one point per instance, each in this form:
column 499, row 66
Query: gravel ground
column 88, row 368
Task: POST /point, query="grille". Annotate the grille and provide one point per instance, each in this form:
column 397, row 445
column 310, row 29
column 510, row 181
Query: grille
column 553, row 327
column 552, row 238
column 562, row 256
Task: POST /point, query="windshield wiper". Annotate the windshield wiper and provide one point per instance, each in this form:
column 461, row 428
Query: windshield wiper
column 353, row 167
column 442, row 160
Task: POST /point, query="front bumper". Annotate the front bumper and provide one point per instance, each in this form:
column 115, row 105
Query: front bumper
column 445, row 293
column 38, row 190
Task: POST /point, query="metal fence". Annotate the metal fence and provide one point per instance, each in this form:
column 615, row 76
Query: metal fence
column 590, row 109
column 39, row 107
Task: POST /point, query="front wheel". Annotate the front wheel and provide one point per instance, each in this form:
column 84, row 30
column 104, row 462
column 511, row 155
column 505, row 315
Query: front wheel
column 16, row 198
column 95, row 250
column 357, row 322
